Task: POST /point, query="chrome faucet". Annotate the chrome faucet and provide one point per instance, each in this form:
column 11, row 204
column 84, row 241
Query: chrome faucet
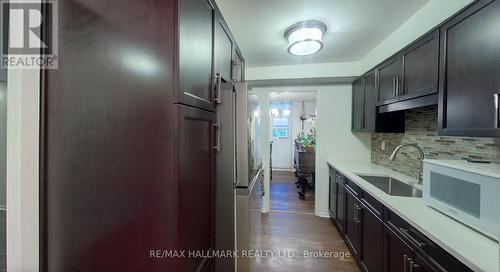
column 422, row 156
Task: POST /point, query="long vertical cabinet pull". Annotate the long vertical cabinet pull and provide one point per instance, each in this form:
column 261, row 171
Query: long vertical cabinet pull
column 218, row 83
column 394, row 86
column 405, row 265
column 397, row 86
column 217, row 137
column 496, row 101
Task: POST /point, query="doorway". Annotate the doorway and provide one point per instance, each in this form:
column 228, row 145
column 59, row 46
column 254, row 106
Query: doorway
column 293, row 125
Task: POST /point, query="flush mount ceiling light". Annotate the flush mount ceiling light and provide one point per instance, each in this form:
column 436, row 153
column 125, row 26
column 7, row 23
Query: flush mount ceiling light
column 304, row 38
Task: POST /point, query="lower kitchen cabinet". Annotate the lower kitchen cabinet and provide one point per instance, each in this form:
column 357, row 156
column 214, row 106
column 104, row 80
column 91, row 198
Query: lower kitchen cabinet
column 398, row 254
column 341, row 207
column 380, row 240
column 371, row 257
column 353, row 209
column 332, row 203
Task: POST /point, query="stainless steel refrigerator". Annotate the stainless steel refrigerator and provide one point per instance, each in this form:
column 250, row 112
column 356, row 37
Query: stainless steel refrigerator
column 239, row 176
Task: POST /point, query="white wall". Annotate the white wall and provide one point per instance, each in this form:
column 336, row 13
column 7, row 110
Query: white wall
column 335, row 141
column 334, row 138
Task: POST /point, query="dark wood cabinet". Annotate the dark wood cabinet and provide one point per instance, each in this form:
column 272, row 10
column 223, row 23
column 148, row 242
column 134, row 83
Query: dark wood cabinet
column 194, row 190
column 421, row 67
column 380, row 240
column 332, row 200
column 371, row 257
column 223, row 54
column 470, row 65
column 352, row 224
column 358, row 104
column 398, row 254
column 127, row 157
column 420, row 264
column 390, row 75
column 370, row 105
column 195, row 46
column 341, row 208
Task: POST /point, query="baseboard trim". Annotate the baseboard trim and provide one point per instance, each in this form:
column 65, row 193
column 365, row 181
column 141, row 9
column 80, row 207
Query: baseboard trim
column 323, row 214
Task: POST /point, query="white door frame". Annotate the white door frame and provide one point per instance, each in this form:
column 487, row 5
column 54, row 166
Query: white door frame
column 23, row 151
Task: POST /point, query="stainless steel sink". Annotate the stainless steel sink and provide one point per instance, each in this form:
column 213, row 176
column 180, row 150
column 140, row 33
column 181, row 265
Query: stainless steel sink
column 392, row 186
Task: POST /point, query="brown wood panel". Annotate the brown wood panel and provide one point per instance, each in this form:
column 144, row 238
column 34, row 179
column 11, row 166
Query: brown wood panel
column 470, row 65
column 194, row 187
column 421, row 67
column 195, row 49
column 107, row 138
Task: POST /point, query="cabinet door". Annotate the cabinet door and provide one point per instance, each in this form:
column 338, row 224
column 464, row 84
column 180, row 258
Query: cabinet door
column 470, row 69
column 370, row 107
column 421, row 67
column 341, row 220
column 332, row 203
column 389, row 79
column 371, row 256
column 223, row 51
column 358, row 98
column 196, row 82
column 352, row 223
column 398, row 253
column 194, row 186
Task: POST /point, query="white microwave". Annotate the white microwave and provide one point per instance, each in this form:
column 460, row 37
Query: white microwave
column 468, row 192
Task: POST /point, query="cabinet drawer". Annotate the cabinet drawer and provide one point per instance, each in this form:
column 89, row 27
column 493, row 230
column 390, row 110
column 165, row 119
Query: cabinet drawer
column 371, row 203
column 434, row 254
column 353, row 188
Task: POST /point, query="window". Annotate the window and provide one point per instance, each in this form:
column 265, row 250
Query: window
column 280, row 114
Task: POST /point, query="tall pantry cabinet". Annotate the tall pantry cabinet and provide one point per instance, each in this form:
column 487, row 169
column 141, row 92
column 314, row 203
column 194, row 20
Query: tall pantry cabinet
column 128, row 135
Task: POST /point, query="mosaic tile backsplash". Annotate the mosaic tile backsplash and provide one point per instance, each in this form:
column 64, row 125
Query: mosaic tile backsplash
column 421, row 129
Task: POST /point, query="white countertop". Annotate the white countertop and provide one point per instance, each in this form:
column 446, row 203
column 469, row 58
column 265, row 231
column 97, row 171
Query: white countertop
column 470, row 247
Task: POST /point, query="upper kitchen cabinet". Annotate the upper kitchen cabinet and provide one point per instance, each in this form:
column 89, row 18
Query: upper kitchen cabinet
column 410, row 78
column 469, row 72
column 196, row 78
column 421, row 67
column 364, row 109
column 390, row 75
column 223, row 52
column 358, row 100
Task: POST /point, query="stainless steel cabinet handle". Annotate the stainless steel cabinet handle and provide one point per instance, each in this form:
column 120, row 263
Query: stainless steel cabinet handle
column 496, row 101
column 217, row 137
column 218, row 83
column 394, row 86
column 415, row 241
column 397, row 86
column 405, row 265
column 411, row 266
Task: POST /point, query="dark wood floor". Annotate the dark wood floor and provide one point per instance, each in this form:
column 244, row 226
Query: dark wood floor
column 284, row 195
column 292, row 227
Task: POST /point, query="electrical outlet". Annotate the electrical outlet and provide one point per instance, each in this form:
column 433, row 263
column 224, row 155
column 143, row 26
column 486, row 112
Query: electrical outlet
column 382, row 146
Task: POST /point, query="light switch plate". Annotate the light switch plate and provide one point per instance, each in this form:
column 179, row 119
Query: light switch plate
column 382, row 146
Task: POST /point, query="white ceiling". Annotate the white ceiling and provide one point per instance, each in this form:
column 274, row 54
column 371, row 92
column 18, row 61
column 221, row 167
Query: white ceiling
column 292, row 96
column 354, row 27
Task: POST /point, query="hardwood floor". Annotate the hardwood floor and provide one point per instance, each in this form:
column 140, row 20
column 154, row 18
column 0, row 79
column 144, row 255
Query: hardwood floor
column 284, row 195
column 291, row 229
